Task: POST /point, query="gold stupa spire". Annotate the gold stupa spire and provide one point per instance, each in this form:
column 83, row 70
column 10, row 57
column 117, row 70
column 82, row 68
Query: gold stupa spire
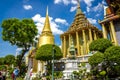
column 47, row 23
column 78, row 11
column 47, row 11
column 46, row 36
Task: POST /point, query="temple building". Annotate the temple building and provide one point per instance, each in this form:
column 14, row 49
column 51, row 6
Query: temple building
column 75, row 43
column 82, row 32
column 111, row 24
column 46, row 37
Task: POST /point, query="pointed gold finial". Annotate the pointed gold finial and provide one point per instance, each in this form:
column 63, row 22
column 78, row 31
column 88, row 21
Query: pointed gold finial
column 47, row 23
column 47, row 11
column 78, row 3
column 78, row 11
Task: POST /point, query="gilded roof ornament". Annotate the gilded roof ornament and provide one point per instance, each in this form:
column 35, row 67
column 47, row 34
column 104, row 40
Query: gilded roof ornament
column 78, row 11
column 47, row 23
column 47, row 11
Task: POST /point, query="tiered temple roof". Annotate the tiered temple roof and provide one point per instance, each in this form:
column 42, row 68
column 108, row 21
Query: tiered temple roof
column 80, row 22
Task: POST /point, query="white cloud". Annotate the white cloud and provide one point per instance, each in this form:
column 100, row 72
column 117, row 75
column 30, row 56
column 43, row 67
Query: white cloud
column 66, row 2
column 57, row 1
column 88, row 2
column 36, row 18
column 88, row 9
column 55, row 28
column 97, row 15
column 73, row 8
column 39, row 27
column 39, row 20
column 27, row 7
column 84, row 12
column 18, row 49
column 103, row 2
column 92, row 21
column 62, row 21
column 74, row 1
column 98, row 8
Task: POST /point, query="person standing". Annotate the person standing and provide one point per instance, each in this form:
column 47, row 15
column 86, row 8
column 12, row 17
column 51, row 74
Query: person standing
column 13, row 76
column 0, row 75
column 16, row 72
column 4, row 74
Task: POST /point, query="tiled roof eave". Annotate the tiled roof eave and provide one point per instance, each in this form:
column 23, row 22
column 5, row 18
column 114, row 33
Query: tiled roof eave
column 79, row 29
column 109, row 19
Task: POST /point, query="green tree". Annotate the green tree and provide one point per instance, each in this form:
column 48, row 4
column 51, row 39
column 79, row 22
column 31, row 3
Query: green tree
column 96, row 58
column 58, row 74
column 2, row 60
column 100, row 45
column 112, row 57
column 2, row 67
column 113, row 54
column 94, row 61
column 105, row 64
column 20, row 33
column 9, row 59
column 45, row 52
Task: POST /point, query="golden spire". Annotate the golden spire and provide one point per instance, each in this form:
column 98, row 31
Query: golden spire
column 47, row 23
column 47, row 11
column 78, row 11
column 46, row 36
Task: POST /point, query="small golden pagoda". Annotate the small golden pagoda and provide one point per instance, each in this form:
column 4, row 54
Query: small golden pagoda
column 46, row 37
column 82, row 32
column 111, row 24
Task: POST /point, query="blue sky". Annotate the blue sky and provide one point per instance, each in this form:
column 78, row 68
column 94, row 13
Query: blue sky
column 61, row 14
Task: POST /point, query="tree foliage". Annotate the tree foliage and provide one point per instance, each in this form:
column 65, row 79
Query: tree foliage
column 112, row 54
column 100, row 45
column 9, row 59
column 96, row 58
column 2, row 67
column 2, row 60
column 45, row 52
column 112, row 57
column 20, row 33
column 107, row 62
